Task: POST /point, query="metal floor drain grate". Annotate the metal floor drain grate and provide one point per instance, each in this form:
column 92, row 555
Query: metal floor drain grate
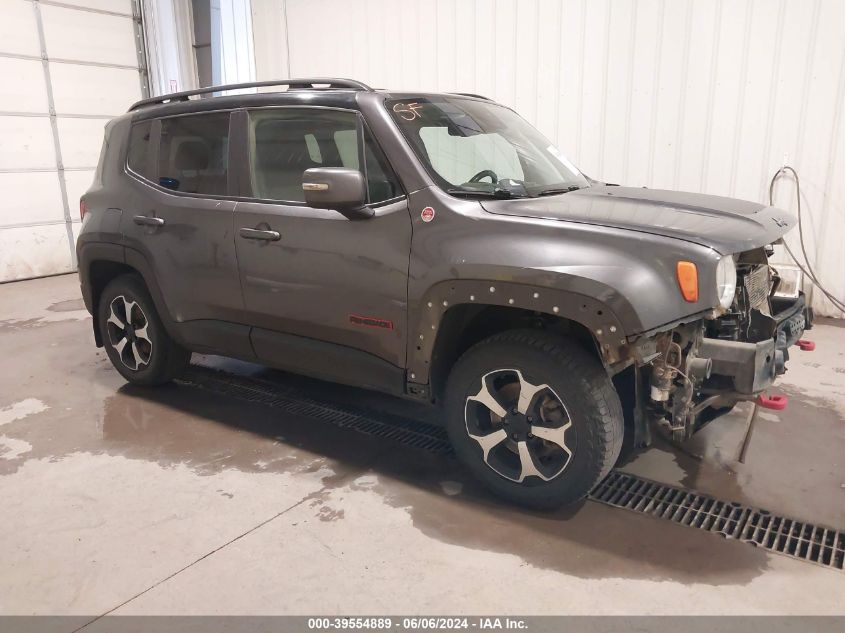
column 406, row 431
column 797, row 539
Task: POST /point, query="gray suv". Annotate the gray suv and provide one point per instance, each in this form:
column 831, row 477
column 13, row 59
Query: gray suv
column 436, row 247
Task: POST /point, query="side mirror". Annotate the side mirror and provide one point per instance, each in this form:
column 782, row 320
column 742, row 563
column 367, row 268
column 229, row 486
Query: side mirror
column 336, row 188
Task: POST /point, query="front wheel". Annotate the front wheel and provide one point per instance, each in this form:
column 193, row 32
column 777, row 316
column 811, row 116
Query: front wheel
column 535, row 417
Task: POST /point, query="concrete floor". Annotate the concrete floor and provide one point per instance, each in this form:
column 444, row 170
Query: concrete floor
column 176, row 500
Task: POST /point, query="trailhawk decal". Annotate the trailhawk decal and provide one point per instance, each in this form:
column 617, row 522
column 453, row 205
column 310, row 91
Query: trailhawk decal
column 366, row 321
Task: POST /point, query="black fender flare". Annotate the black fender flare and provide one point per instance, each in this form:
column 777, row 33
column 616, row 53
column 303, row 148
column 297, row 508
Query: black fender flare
column 138, row 261
column 591, row 313
column 92, row 252
column 87, row 254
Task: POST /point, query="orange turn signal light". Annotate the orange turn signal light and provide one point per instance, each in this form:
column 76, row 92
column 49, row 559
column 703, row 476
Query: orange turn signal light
column 688, row 280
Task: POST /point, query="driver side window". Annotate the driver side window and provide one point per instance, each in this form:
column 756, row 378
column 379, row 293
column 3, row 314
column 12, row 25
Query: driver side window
column 459, row 158
column 284, row 143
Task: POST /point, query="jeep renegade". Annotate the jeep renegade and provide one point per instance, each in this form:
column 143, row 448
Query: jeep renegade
column 437, row 247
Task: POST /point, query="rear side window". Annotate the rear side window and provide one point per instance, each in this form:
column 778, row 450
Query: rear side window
column 194, row 153
column 284, row 143
column 138, row 157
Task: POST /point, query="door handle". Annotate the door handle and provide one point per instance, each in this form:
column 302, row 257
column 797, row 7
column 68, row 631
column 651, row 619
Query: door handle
column 258, row 234
column 146, row 220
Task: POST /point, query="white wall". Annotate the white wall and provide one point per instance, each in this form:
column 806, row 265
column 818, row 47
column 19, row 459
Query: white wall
column 66, row 68
column 698, row 95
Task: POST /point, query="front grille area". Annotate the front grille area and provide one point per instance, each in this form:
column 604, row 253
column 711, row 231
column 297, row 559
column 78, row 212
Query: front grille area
column 757, row 286
column 797, row 539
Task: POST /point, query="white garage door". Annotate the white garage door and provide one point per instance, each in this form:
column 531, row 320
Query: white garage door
column 66, row 68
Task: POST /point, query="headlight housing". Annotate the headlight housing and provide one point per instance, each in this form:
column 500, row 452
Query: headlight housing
column 726, row 281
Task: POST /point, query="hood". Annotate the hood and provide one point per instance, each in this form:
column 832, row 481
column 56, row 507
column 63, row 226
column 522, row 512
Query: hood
column 726, row 225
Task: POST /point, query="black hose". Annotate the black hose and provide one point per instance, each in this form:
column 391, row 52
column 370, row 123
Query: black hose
column 808, row 270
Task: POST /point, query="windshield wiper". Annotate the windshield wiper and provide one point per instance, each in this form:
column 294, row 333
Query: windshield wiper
column 500, row 194
column 559, row 190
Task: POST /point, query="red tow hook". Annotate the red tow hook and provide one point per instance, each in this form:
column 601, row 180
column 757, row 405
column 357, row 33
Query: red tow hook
column 777, row 402
column 806, row 345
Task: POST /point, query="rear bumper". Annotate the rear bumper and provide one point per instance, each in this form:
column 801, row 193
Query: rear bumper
column 753, row 367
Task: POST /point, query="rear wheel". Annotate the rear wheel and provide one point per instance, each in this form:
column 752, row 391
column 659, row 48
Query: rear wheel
column 535, row 417
column 135, row 340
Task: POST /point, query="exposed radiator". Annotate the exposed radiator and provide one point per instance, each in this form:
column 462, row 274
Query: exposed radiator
column 757, row 286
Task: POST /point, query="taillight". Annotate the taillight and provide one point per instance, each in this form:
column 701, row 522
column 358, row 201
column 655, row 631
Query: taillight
column 82, row 209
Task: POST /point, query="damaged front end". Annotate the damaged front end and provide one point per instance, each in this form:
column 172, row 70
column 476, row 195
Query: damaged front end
column 693, row 373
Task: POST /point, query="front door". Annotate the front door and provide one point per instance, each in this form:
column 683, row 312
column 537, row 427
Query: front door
column 326, row 295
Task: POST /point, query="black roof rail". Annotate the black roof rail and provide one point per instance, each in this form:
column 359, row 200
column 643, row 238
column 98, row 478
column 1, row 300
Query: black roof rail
column 296, row 84
column 469, row 94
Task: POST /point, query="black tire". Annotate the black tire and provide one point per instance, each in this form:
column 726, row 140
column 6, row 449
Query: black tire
column 575, row 378
column 162, row 359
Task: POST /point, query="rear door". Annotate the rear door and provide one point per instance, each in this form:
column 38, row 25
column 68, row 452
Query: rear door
column 321, row 282
column 180, row 218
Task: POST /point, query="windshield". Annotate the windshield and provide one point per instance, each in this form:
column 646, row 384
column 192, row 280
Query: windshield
column 480, row 148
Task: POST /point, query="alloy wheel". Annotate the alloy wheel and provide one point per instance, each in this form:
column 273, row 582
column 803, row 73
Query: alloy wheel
column 523, row 429
column 127, row 328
